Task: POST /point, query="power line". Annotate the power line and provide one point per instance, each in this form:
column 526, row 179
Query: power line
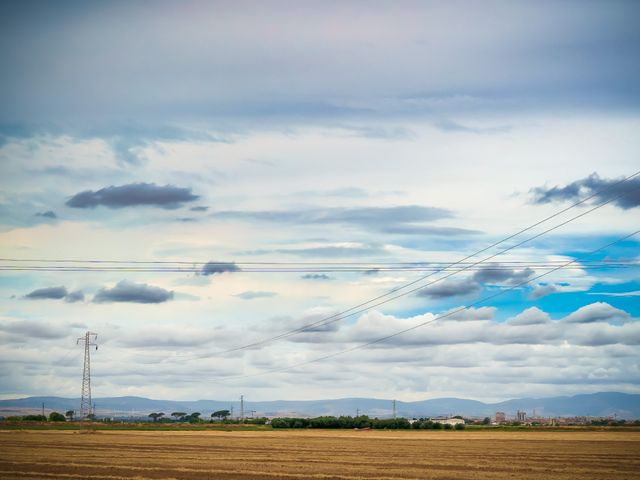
column 414, row 327
column 433, row 268
column 367, row 305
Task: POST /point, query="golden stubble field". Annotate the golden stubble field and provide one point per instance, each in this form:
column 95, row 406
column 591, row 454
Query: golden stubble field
column 320, row 454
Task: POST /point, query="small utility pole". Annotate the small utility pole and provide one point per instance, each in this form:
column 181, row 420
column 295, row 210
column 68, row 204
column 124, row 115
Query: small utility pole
column 43, row 409
column 357, row 412
column 394, row 409
column 241, row 407
column 85, row 399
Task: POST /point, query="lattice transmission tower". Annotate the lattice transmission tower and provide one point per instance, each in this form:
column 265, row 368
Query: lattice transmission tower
column 88, row 340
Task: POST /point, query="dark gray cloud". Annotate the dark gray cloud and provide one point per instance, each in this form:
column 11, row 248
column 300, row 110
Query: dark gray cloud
column 501, row 65
column 131, row 292
column 628, row 191
column 75, row 296
column 373, row 271
column 133, row 195
column 48, row 293
column 199, row 208
column 383, row 219
column 48, row 214
column 316, row 276
column 251, row 295
column 214, row 268
column 500, row 275
column 542, row 291
column 450, row 289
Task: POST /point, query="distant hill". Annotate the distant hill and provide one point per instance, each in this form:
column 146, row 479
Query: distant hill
column 596, row 404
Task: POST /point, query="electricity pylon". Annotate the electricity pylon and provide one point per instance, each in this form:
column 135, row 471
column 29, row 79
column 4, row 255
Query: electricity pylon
column 85, row 400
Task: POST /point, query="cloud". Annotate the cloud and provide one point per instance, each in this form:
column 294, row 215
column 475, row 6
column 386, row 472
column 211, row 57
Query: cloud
column 542, row 291
column 530, row 316
column 635, row 293
column 48, row 214
column 410, row 229
column 316, row 276
column 629, row 191
column 133, row 195
column 596, row 312
column 471, row 314
column 215, row 268
column 348, row 249
column 34, row 329
column 56, row 293
column 250, row 295
column 453, row 288
column 131, row 292
column 498, row 275
column 451, row 126
column 199, row 208
column 376, row 218
column 73, row 297
column 48, row 293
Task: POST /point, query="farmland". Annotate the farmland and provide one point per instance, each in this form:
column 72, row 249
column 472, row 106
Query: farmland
column 30, row 454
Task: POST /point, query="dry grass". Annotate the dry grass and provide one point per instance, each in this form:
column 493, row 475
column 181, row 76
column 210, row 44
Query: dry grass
column 320, row 454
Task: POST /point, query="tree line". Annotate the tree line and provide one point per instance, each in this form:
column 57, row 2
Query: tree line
column 362, row 421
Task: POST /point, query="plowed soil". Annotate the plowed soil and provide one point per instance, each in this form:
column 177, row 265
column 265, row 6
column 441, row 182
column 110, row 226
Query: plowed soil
column 323, row 454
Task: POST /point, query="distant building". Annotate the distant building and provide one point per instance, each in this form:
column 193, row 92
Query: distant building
column 449, row 421
column 501, row 417
column 521, row 416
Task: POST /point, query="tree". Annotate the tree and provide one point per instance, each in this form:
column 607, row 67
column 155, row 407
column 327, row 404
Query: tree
column 70, row 414
column 56, row 417
column 222, row 414
column 156, row 416
column 179, row 415
column 194, row 417
column 486, row 421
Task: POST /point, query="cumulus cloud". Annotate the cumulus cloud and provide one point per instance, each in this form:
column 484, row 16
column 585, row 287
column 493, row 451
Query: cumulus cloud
column 133, row 195
column 215, row 268
column 452, row 288
column 530, row 316
column 250, row 295
column 48, row 293
column 596, row 312
column 48, row 214
column 628, row 192
column 592, row 325
column 500, row 275
column 131, row 292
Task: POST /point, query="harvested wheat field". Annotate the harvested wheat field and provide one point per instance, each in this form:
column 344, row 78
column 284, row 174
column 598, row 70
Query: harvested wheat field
column 320, row 454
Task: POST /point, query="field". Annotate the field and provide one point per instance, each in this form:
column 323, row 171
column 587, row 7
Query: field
column 325, row 454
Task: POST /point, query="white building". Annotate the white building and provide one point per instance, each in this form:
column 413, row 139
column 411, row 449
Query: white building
column 449, row 421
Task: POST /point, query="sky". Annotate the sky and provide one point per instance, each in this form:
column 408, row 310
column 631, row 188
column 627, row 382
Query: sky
column 236, row 140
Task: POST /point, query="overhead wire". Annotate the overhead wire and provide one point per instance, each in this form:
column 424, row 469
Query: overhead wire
column 422, row 324
column 365, row 306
